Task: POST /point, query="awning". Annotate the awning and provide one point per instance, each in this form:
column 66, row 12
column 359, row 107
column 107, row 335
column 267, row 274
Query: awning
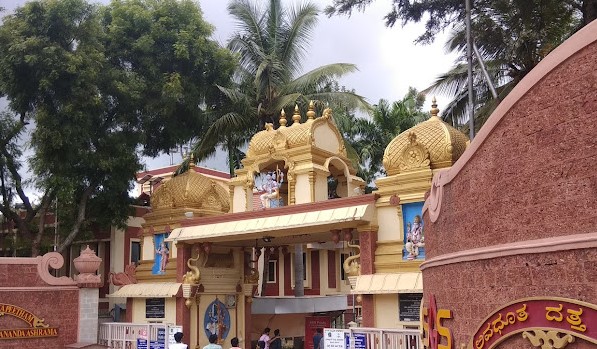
column 288, row 224
column 148, row 290
column 389, row 283
column 298, row 305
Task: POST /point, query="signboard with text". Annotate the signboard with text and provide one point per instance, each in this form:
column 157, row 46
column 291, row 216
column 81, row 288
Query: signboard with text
column 36, row 329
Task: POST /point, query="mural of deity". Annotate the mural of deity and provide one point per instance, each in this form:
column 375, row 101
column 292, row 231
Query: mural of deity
column 414, row 239
column 162, row 254
column 217, row 320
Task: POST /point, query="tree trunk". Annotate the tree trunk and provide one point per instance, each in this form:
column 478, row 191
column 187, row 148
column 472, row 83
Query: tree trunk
column 81, row 216
column 589, row 11
column 299, row 272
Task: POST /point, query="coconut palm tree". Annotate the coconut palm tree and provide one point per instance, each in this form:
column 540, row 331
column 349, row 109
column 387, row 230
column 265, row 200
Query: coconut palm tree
column 512, row 38
column 271, row 43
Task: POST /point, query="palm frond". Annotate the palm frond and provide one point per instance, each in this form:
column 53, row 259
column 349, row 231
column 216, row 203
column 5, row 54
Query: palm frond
column 296, row 34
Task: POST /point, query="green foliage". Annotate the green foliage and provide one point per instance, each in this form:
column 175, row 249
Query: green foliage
column 369, row 137
column 512, row 37
column 100, row 86
column 444, row 14
column 271, row 43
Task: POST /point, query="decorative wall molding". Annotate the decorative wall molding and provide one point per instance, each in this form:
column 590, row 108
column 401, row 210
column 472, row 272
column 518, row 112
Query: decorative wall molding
column 554, row 244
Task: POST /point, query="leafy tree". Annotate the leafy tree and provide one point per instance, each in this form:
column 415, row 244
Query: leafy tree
column 444, row 14
column 368, row 137
column 99, row 86
column 512, row 39
column 271, row 44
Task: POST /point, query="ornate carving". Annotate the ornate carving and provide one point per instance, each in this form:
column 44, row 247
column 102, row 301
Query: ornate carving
column 52, row 260
column 548, row 339
column 414, row 156
column 194, row 275
column 125, row 278
column 436, row 194
column 352, row 267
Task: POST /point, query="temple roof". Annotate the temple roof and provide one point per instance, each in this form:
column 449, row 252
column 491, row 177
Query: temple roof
column 432, row 142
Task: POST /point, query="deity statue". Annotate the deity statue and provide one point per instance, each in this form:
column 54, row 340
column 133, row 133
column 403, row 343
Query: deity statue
column 271, row 189
column 414, row 238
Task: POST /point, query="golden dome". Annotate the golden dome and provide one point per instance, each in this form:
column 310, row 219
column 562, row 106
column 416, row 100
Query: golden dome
column 431, row 143
column 191, row 190
column 262, row 141
column 297, row 135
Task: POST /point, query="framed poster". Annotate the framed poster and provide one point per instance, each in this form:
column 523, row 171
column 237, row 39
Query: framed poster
column 409, row 306
column 414, row 238
column 155, row 308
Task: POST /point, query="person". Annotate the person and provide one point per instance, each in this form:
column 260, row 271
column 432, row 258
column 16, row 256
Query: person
column 164, row 253
column 317, row 337
column 234, row 343
column 265, row 340
column 178, row 344
column 270, row 188
column 213, row 340
column 276, row 342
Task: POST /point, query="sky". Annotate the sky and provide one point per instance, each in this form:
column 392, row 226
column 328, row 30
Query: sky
column 387, row 58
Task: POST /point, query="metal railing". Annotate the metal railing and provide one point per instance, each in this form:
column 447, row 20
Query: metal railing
column 122, row 335
column 376, row 338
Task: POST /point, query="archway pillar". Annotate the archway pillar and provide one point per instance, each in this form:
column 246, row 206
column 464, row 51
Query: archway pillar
column 368, row 243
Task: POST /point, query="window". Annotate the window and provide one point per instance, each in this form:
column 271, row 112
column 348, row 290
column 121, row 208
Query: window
column 306, row 269
column 135, row 252
column 271, row 271
column 343, row 257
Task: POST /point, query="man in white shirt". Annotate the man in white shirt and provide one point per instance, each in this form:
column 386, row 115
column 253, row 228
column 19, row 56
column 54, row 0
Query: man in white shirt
column 178, row 344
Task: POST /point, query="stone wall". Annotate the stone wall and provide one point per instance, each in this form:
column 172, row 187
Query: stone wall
column 22, row 286
column 516, row 216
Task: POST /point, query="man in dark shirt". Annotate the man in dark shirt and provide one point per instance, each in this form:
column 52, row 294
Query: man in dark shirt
column 317, row 337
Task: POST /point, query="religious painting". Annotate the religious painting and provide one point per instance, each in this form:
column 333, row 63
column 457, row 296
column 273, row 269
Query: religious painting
column 162, row 254
column 217, row 320
column 414, row 238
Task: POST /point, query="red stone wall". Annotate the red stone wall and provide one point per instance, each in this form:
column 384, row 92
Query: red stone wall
column 533, row 177
column 57, row 305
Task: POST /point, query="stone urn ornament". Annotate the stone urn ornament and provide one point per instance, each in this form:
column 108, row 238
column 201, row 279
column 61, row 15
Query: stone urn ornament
column 87, row 264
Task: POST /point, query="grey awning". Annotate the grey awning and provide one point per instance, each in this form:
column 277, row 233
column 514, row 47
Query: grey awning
column 298, row 305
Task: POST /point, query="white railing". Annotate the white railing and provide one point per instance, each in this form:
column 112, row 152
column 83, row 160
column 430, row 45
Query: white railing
column 376, row 338
column 122, row 335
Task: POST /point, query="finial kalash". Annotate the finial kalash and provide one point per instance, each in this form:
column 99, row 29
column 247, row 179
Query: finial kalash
column 282, row 118
column 296, row 117
column 311, row 111
column 434, row 109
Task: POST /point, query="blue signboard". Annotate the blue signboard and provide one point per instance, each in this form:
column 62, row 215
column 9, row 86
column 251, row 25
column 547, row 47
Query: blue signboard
column 360, row 341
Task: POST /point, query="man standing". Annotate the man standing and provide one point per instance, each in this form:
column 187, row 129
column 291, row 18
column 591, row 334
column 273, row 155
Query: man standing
column 317, row 337
column 178, row 344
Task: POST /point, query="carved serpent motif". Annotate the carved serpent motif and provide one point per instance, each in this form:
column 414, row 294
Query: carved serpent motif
column 194, row 275
column 351, row 264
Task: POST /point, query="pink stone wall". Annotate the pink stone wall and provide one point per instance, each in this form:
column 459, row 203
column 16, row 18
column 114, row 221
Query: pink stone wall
column 534, row 176
column 58, row 309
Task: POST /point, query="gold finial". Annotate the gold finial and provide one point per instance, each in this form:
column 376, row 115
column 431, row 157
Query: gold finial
column 434, row 110
column 311, row 112
column 191, row 161
column 282, row 118
column 296, row 117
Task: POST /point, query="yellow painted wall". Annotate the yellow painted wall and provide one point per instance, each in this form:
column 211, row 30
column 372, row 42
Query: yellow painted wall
column 302, row 192
column 386, row 310
column 390, row 224
column 139, row 311
column 239, row 202
column 321, row 186
column 326, row 139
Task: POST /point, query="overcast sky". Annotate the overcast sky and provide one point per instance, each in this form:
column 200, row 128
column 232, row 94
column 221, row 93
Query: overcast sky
column 387, row 59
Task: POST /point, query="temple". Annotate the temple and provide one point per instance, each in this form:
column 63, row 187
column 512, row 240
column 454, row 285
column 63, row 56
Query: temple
column 221, row 256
